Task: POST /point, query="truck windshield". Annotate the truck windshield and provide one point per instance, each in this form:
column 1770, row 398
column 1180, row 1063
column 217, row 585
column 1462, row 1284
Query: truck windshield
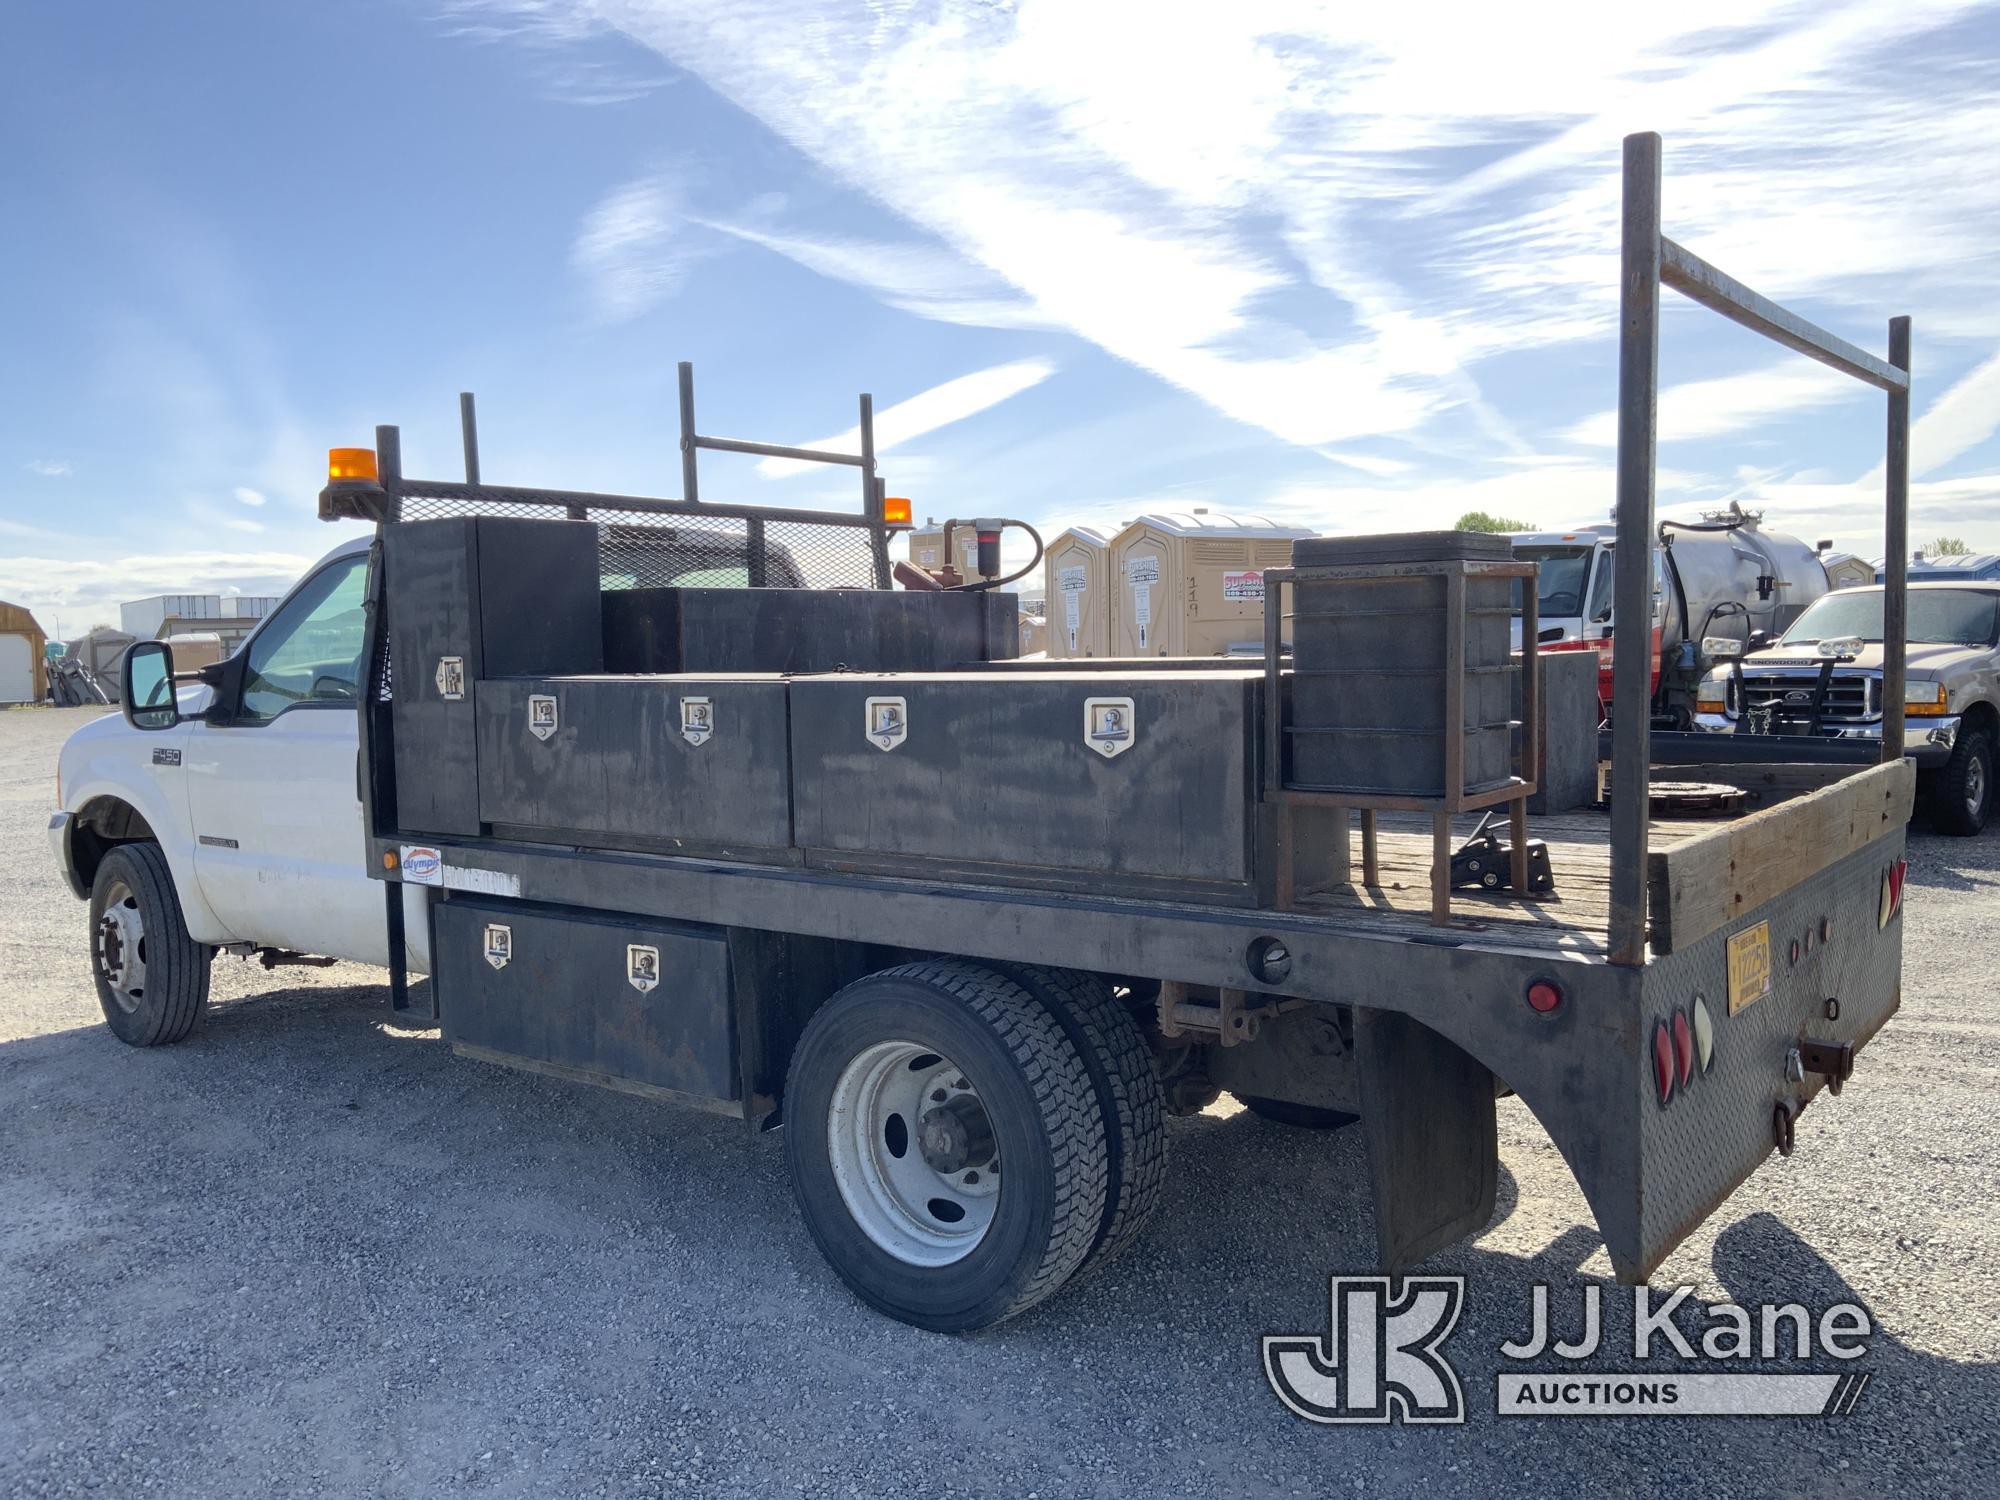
column 1938, row 617
column 1564, row 572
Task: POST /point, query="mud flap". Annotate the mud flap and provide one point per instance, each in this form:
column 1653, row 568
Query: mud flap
column 1433, row 1147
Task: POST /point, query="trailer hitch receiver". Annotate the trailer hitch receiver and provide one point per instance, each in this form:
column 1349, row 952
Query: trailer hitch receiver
column 1833, row 1060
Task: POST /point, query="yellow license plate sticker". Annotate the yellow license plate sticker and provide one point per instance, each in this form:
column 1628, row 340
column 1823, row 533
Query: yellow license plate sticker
column 1749, row 966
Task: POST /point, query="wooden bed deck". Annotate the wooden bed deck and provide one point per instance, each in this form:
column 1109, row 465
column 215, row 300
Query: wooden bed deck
column 1576, row 918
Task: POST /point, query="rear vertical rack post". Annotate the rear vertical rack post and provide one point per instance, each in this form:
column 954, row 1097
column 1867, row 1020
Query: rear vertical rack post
column 1632, row 602
column 1896, row 557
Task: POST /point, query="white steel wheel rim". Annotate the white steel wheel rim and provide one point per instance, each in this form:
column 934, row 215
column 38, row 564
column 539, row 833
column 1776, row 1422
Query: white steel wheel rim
column 121, row 946
column 931, row 1202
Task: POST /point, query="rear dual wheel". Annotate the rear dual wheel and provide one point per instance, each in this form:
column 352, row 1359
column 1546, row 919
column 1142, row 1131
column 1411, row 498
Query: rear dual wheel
column 961, row 1142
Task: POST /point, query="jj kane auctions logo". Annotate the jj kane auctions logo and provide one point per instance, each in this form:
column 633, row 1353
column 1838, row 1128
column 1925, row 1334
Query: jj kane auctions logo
column 1383, row 1358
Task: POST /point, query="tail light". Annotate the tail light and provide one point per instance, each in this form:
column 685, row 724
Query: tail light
column 1683, row 1048
column 1663, row 1062
column 1892, row 892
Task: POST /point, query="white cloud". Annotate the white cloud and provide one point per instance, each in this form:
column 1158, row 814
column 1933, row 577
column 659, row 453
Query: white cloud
column 940, row 406
column 248, row 496
column 916, row 279
column 49, row 468
column 632, row 249
column 1290, row 211
column 1734, row 403
column 1960, row 420
column 83, row 591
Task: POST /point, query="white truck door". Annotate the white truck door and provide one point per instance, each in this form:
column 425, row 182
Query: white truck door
column 276, row 808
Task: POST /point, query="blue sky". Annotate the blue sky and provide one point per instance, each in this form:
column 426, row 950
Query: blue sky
column 1091, row 259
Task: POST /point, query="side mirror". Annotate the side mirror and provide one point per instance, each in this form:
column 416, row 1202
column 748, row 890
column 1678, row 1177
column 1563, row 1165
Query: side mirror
column 149, row 686
column 1759, row 639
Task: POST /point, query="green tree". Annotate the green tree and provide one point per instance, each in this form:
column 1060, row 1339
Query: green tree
column 1480, row 520
column 1949, row 546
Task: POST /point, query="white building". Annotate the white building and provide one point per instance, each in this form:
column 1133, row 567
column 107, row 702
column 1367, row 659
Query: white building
column 229, row 615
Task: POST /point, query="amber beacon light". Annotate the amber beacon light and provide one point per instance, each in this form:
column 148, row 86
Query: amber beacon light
column 351, row 466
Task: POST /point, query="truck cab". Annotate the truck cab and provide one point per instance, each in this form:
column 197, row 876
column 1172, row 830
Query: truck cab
column 1574, row 595
column 252, row 799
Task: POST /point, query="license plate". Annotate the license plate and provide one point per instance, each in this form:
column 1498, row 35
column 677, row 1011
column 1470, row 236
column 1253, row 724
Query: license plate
column 1749, row 966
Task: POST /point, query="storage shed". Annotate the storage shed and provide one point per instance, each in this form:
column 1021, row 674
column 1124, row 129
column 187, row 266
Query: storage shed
column 1079, row 593
column 24, row 673
column 1193, row 584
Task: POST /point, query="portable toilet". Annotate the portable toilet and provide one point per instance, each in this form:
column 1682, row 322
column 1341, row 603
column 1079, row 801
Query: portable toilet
column 196, row 648
column 1193, row 584
column 1961, row 567
column 1079, row 596
column 1844, row 570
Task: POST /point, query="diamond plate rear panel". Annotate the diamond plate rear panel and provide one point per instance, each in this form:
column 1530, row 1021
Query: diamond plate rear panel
column 1699, row 1147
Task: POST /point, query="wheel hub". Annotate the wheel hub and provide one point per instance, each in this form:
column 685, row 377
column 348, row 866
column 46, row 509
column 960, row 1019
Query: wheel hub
column 121, row 947
column 1975, row 786
column 913, row 1153
column 956, row 1135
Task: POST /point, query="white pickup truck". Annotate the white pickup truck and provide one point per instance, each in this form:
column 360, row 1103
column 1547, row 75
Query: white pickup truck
column 239, row 830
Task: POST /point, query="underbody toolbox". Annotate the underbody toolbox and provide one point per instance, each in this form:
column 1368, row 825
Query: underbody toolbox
column 634, row 1002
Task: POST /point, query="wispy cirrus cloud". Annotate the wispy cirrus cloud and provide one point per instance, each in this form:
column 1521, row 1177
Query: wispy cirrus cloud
column 1734, row 403
column 1326, row 221
column 926, row 412
column 633, row 249
column 49, row 468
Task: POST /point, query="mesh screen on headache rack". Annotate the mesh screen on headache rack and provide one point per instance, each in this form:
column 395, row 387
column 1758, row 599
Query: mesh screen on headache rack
column 641, row 549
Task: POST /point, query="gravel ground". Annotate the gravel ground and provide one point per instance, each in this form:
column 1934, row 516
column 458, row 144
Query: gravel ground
column 309, row 1252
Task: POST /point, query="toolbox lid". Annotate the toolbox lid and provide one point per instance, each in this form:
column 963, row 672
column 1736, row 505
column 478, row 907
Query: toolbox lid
column 1401, row 547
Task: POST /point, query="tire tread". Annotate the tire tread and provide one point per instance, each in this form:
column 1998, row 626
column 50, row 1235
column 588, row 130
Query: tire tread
column 1129, row 1095
column 170, row 950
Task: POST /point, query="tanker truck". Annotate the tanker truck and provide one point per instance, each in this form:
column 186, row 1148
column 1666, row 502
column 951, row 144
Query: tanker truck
column 1722, row 577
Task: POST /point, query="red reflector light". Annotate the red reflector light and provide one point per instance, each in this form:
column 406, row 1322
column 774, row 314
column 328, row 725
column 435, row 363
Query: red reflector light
column 1544, row 995
column 1663, row 1062
column 1683, row 1047
column 1892, row 892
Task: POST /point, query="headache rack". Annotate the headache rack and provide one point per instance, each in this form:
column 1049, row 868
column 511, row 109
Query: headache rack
column 647, row 542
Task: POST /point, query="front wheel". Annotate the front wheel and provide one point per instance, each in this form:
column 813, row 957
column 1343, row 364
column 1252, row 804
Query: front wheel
column 945, row 1145
column 1962, row 788
column 152, row 977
